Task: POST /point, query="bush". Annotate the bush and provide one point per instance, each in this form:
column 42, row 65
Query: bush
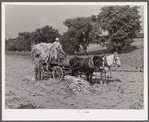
column 112, row 46
column 10, row 45
column 121, row 23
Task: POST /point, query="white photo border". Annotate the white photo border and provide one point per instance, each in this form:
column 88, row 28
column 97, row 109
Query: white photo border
column 72, row 114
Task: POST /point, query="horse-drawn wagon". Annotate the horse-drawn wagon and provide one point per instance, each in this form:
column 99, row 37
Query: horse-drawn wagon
column 56, row 70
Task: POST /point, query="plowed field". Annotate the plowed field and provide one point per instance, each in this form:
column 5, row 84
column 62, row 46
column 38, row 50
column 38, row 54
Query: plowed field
column 123, row 91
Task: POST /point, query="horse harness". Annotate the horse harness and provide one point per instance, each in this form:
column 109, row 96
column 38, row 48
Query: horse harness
column 90, row 63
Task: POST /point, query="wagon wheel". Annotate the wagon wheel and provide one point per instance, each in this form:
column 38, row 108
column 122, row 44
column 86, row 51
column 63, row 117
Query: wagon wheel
column 57, row 73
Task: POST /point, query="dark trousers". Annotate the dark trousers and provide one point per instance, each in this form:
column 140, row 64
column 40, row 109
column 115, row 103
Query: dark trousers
column 37, row 73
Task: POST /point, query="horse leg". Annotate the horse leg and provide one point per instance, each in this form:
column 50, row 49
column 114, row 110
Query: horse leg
column 105, row 81
column 81, row 74
column 87, row 75
column 110, row 73
column 73, row 73
column 110, row 76
column 101, row 77
column 91, row 75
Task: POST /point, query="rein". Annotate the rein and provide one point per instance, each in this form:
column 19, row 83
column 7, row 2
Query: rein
column 79, row 66
column 82, row 63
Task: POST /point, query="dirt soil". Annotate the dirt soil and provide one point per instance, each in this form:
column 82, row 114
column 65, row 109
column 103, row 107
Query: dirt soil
column 123, row 91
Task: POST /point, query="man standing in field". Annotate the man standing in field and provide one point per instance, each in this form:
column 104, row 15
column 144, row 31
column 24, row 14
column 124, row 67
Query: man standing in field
column 37, row 67
column 55, row 47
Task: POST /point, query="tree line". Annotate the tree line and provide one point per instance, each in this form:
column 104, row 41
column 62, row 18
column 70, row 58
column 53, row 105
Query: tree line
column 114, row 24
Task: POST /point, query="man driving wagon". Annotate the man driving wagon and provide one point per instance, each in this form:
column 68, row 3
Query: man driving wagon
column 54, row 55
column 56, row 50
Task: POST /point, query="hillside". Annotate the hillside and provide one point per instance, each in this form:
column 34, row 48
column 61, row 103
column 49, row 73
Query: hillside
column 133, row 58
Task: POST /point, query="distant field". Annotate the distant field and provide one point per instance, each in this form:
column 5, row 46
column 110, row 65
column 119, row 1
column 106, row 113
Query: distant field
column 94, row 47
column 16, row 54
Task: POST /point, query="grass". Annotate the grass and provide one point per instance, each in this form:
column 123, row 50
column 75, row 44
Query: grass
column 131, row 59
column 16, row 54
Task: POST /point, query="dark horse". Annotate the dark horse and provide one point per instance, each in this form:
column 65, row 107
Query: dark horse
column 85, row 65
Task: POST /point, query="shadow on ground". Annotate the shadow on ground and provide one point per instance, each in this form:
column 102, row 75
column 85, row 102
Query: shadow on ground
column 97, row 81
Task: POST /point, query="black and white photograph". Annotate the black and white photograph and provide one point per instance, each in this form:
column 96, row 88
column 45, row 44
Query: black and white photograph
column 74, row 61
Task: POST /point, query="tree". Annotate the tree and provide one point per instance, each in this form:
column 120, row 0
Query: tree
column 70, row 42
column 46, row 34
column 24, row 35
column 10, row 45
column 25, row 39
column 81, row 28
column 121, row 22
column 96, row 33
column 23, row 44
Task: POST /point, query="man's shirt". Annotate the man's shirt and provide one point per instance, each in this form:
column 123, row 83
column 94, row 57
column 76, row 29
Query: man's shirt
column 37, row 61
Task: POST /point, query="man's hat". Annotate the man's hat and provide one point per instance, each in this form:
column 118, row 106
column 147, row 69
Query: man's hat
column 57, row 39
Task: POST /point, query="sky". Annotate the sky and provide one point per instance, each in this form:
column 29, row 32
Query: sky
column 27, row 18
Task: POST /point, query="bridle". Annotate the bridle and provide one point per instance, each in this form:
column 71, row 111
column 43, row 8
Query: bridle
column 114, row 60
column 90, row 63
